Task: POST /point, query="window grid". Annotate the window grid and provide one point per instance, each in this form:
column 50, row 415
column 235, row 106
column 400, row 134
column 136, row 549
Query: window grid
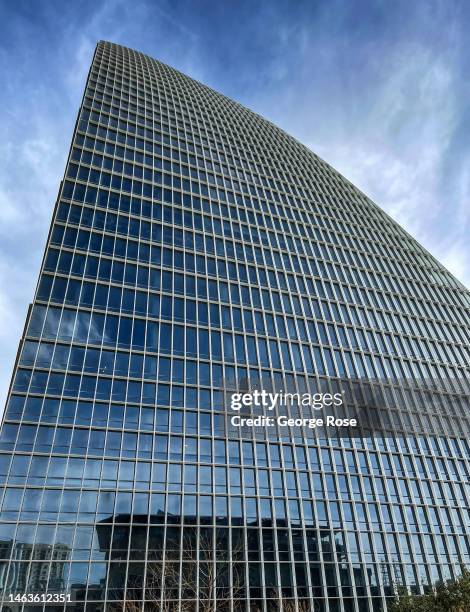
column 196, row 247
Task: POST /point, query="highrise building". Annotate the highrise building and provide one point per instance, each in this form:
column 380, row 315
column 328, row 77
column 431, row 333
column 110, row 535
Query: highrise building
column 197, row 251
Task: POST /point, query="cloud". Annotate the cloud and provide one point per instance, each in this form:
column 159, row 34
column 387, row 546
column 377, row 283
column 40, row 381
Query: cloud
column 396, row 153
column 396, row 133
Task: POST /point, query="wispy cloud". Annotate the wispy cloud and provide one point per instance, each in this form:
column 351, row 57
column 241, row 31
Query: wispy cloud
column 386, row 106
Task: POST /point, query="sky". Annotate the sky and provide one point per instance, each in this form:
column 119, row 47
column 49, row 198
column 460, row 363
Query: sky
column 378, row 89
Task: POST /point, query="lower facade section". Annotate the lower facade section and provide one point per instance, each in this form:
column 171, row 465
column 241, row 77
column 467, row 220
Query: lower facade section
column 337, row 526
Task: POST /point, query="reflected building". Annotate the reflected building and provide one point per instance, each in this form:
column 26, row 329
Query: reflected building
column 33, row 567
column 196, row 250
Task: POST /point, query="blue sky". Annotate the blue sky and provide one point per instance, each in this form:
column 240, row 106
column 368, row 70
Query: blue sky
column 378, row 89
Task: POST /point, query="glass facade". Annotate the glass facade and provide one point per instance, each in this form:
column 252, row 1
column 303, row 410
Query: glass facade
column 196, row 248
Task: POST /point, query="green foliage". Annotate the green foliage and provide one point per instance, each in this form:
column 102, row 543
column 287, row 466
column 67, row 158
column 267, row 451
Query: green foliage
column 449, row 596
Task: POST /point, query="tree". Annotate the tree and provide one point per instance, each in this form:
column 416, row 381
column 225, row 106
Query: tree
column 277, row 602
column 404, row 602
column 204, row 576
column 448, row 596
